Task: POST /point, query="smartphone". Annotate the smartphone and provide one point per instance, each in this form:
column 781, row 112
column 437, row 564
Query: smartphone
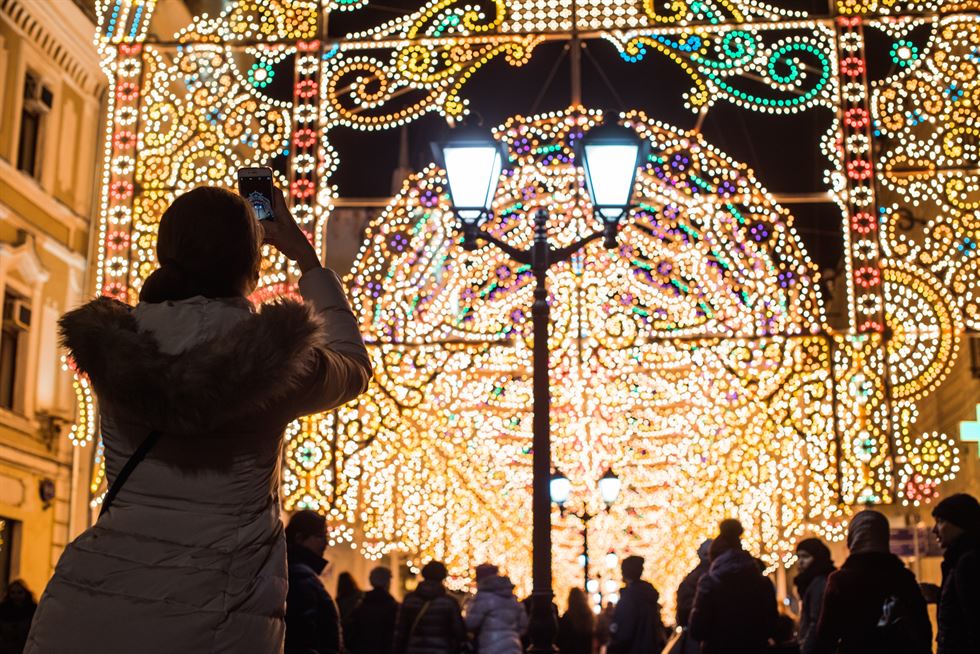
column 255, row 185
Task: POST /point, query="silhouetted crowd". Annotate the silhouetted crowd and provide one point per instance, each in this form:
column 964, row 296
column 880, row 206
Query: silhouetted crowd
column 871, row 604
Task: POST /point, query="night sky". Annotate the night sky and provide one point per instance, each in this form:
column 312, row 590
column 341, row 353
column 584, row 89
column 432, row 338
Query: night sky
column 782, row 149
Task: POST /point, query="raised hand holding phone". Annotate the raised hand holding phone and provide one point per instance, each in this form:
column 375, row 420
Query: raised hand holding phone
column 284, row 234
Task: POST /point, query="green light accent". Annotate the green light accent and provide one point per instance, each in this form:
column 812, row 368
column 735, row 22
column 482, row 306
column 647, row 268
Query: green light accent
column 732, row 209
column 690, row 231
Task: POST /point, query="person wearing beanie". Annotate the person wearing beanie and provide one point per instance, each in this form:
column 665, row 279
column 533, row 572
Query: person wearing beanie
column 372, row 623
column 430, row 620
column 637, row 627
column 685, row 598
column 735, row 605
column 958, row 531
column 495, row 618
column 312, row 618
column 872, row 605
column 485, row 570
column 814, row 565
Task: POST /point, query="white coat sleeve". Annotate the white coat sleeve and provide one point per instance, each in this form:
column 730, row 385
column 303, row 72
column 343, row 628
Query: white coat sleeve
column 341, row 369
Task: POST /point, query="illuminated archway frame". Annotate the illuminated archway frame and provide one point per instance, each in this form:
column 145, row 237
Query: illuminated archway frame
column 191, row 111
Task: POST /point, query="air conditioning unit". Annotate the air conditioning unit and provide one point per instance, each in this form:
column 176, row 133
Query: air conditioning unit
column 37, row 96
column 18, row 314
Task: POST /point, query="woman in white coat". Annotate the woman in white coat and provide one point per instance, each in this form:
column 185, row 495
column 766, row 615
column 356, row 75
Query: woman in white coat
column 190, row 556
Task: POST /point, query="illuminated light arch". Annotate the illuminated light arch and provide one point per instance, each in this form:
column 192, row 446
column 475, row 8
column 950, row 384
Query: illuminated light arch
column 693, row 359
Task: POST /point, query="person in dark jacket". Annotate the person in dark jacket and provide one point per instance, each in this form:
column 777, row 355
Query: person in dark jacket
column 958, row 530
column 372, row 623
column 872, row 605
column 576, row 629
column 685, row 600
column 814, row 566
column 637, row 627
column 735, row 606
column 312, row 621
column 16, row 612
column 430, row 621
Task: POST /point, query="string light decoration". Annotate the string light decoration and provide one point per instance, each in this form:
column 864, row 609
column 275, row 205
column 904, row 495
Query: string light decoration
column 695, row 359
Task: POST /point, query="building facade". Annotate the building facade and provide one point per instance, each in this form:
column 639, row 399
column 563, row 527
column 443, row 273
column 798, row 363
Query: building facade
column 51, row 106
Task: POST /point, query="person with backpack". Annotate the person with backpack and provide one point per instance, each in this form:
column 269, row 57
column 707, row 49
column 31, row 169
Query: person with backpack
column 430, row 620
column 872, row 605
column 735, row 605
column 494, row 617
column 637, row 627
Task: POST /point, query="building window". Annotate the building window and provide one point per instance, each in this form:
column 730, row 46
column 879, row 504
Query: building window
column 38, row 100
column 6, row 546
column 13, row 339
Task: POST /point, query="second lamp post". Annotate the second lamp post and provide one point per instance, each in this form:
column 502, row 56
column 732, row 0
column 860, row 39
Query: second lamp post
column 473, row 160
column 560, row 489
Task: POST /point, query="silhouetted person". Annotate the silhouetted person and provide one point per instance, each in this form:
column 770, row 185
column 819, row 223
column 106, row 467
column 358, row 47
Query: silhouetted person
column 195, row 387
column 815, row 565
column 349, row 596
column 312, row 620
column 958, row 530
column 494, row 617
column 430, row 621
column 685, row 600
column 872, row 605
column 576, row 629
column 784, row 642
column 735, row 606
column 16, row 612
column 372, row 624
column 637, row 627
column 602, row 625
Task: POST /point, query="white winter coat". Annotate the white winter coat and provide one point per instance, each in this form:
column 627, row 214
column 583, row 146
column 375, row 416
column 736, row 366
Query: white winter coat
column 190, row 558
column 496, row 618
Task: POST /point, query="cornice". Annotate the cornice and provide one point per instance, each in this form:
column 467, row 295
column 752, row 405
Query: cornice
column 62, row 31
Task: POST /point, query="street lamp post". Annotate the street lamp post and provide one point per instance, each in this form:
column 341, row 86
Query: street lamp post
column 473, row 161
column 560, row 488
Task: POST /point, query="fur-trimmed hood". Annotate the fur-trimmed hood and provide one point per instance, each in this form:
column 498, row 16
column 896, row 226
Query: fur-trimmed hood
column 254, row 365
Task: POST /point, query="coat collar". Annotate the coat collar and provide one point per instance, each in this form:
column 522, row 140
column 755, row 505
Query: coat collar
column 251, row 368
column 299, row 555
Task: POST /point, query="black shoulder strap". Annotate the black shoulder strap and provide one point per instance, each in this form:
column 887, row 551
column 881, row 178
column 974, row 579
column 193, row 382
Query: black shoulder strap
column 134, row 460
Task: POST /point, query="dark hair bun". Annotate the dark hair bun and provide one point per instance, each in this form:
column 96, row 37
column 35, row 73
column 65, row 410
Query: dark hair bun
column 166, row 282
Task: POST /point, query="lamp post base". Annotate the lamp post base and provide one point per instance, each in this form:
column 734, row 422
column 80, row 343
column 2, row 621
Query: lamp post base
column 543, row 624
